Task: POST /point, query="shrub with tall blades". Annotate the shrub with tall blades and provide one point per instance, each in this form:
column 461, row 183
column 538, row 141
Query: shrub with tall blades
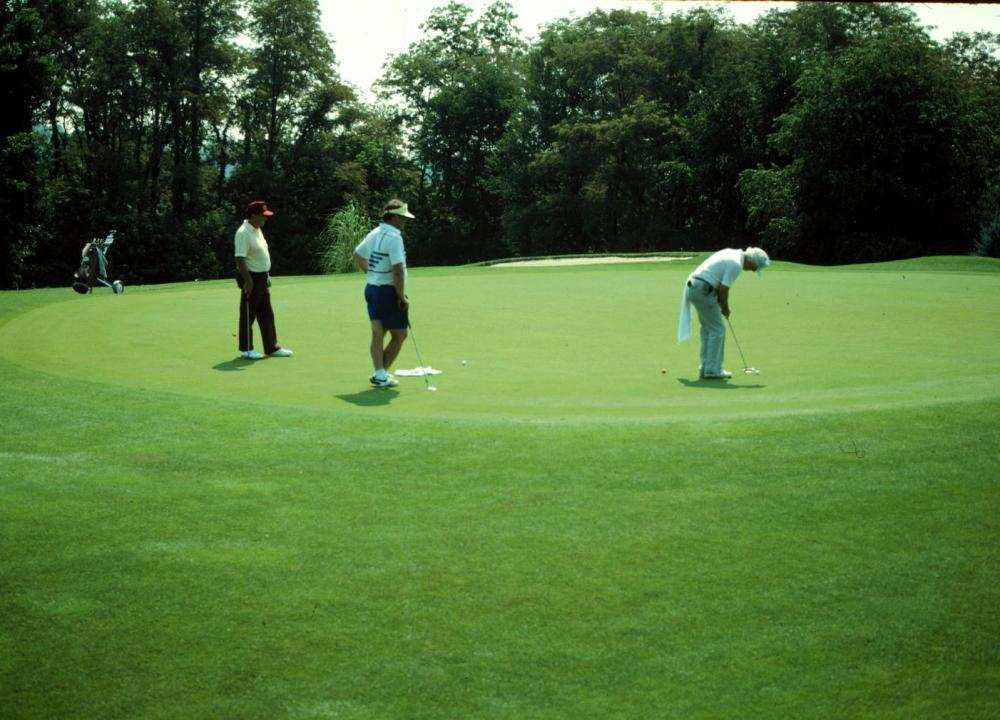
column 341, row 234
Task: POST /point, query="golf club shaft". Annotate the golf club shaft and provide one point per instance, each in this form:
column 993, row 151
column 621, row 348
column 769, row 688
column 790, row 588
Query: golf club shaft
column 737, row 340
column 416, row 349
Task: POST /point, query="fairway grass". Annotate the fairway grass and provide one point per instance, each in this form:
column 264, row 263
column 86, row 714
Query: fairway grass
column 561, row 531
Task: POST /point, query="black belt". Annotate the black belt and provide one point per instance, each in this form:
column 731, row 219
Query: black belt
column 710, row 288
column 266, row 276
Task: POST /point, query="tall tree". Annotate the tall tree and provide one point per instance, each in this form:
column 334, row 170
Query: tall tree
column 287, row 116
column 459, row 86
column 292, row 62
column 602, row 153
column 977, row 58
column 24, row 74
column 208, row 60
column 890, row 156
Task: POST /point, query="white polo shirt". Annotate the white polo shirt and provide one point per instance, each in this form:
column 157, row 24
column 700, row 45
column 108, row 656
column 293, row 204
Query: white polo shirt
column 383, row 248
column 721, row 268
column 250, row 244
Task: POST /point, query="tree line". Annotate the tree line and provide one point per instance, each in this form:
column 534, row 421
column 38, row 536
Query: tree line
column 825, row 133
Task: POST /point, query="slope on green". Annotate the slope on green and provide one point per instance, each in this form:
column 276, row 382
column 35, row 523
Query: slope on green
column 562, row 531
column 933, row 263
column 557, row 345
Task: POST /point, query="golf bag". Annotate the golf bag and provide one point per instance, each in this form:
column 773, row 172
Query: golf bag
column 94, row 267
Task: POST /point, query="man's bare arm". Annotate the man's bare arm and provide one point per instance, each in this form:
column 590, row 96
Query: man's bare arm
column 399, row 282
column 722, row 292
column 361, row 262
column 244, row 271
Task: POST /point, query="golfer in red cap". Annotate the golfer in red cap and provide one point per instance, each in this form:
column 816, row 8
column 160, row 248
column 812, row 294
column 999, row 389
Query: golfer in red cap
column 253, row 265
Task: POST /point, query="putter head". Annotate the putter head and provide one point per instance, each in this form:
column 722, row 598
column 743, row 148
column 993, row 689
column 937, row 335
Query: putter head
column 431, row 388
column 751, row 371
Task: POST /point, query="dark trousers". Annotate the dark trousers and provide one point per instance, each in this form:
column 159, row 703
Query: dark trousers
column 257, row 307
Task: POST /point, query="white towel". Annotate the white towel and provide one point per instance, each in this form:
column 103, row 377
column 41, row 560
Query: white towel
column 684, row 322
column 417, row 372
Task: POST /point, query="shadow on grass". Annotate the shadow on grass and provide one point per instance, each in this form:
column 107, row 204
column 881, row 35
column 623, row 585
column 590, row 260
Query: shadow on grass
column 236, row 364
column 716, row 385
column 371, row 397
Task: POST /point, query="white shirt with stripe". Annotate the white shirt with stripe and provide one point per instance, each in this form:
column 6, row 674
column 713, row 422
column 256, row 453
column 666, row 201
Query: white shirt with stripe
column 383, row 248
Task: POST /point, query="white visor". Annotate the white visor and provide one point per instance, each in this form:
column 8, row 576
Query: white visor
column 404, row 211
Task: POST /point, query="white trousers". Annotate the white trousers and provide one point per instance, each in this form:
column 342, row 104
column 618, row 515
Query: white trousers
column 713, row 329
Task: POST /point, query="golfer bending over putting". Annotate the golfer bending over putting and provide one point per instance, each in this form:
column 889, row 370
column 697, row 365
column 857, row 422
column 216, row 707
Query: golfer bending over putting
column 707, row 288
column 253, row 266
column 382, row 256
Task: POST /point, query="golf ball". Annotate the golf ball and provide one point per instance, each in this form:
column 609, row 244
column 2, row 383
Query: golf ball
column 464, row 363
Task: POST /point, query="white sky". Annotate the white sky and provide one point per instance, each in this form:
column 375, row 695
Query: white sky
column 366, row 32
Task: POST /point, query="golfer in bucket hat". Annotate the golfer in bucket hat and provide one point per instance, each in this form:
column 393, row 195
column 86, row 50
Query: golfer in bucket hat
column 382, row 256
column 707, row 288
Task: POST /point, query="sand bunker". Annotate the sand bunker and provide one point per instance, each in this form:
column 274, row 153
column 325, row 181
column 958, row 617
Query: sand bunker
column 599, row 260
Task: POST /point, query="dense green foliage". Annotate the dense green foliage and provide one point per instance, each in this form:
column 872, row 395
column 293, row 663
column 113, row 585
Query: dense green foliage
column 826, row 132
column 561, row 531
column 23, row 75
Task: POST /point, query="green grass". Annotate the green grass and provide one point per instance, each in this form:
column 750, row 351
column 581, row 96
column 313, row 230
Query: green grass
column 936, row 263
column 561, row 531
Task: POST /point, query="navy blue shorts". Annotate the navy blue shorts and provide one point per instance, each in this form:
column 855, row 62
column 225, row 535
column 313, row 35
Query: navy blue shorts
column 383, row 306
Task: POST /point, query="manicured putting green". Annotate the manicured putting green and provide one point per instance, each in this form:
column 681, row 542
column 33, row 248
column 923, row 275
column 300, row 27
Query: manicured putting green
column 570, row 345
column 561, row 531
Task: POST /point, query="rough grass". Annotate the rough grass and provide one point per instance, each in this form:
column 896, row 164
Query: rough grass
column 562, row 531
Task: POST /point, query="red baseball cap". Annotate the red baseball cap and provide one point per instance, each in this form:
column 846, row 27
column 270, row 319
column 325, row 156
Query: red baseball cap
column 258, row 207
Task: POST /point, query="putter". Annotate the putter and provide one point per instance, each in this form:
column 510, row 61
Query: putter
column 747, row 370
column 423, row 368
column 249, row 328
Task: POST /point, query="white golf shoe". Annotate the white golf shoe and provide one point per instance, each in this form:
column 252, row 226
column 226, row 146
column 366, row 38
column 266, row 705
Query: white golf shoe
column 251, row 355
column 281, row 352
column 724, row 375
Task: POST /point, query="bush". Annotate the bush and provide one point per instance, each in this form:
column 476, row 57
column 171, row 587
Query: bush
column 342, row 233
column 988, row 243
column 201, row 238
column 781, row 236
